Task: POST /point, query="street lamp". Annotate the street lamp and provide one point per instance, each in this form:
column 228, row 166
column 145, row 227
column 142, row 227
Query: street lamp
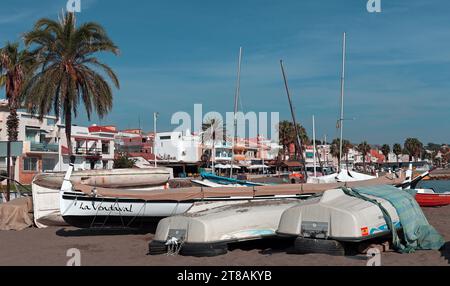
column 155, row 118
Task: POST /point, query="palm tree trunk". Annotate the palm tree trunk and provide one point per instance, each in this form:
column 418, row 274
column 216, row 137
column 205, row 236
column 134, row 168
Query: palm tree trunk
column 68, row 121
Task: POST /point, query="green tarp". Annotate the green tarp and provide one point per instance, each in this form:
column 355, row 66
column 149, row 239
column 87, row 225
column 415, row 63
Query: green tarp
column 418, row 233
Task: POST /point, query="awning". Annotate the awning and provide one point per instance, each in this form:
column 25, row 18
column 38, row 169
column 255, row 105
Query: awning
column 256, row 167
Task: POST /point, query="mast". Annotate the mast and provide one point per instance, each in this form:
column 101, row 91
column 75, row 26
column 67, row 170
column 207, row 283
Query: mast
column 236, row 101
column 314, row 145
column 341, row 119
column 299, row 140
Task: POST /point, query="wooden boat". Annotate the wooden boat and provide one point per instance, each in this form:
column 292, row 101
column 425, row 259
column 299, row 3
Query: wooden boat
column 118, row 178
column 46, row 188
column 428, row 198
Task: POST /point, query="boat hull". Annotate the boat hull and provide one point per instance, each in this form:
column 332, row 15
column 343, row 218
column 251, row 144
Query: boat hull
column 46, row 188
column 119, row 178
column 433, row 200
column 82, row 211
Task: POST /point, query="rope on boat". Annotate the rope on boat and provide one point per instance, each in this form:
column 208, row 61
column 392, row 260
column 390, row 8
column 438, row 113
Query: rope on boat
column 174, row 246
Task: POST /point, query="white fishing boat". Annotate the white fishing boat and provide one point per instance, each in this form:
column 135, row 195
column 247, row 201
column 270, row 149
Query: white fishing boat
column 46, row 188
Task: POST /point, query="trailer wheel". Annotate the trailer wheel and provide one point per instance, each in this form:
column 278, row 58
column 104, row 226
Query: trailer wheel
column 321, row 246
column 157, row 248
column 204, row 250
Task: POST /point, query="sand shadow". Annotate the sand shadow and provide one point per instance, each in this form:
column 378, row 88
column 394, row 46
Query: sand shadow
column 445, row 251
column 267, row 246
column 105, row 231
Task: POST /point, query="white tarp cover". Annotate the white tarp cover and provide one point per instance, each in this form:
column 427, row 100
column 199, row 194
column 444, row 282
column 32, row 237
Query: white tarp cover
column 344, row 176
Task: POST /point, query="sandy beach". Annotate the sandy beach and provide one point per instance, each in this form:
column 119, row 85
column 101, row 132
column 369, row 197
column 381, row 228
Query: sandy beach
column 48, row 247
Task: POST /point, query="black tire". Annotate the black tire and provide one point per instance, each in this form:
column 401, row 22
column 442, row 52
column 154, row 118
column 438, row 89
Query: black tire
column 157, row 248
column 320, row 246
column 204, row 250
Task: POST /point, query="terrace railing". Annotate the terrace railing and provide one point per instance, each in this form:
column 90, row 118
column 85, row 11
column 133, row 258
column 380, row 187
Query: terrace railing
column 44, row 147
column 88, row 151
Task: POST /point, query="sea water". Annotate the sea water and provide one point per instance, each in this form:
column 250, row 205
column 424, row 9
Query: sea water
column 439, row 186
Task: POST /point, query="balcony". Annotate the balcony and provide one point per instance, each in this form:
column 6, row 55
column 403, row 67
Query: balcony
column 90, row 152
column 44, row 147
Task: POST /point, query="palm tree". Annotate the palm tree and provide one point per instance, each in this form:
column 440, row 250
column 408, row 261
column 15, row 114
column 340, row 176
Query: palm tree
column 386, row 149
column 288, row 136
column 364, row 149
column 346, row 146
column 285, row 131
column 397, row 150
column 335, row 150
column 16, row 66
column 413, row 148
column 213, row 133
column 69, row 74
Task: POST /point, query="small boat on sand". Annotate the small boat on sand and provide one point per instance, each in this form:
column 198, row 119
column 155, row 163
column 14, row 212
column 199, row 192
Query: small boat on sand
column 46, row 188
column 208, row 232
column 429, row 198
column 327, row 223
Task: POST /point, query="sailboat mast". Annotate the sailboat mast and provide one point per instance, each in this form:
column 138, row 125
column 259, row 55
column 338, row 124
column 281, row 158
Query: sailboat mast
column 314, row 145
column 236, row 102
column 297, row 133
column 341, row 119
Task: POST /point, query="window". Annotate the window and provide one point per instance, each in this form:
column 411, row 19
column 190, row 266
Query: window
column 48, row 164
column 105, row 147
column 165, row 137
column 31, row 134
column 30, row 164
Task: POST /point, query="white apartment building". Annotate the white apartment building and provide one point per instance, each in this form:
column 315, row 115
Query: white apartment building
column 178, row 147
column 93, row 148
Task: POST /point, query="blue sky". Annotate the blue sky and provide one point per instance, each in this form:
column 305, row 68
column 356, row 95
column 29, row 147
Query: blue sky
column 175, row 53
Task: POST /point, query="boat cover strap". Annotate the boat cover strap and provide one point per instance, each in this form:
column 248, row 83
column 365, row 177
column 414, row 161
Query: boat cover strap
column 418, row 233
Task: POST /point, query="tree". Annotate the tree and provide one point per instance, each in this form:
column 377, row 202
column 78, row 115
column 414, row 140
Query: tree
column 346, row 146
column 213, row 133
column 16, row 66
column 124, row 162
column 69, row 74
column 288, row 136
column 386, row 149
column 413, row 148
column 285, row 131
column 364, row 149
column 335, row 150
column 397, row 151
